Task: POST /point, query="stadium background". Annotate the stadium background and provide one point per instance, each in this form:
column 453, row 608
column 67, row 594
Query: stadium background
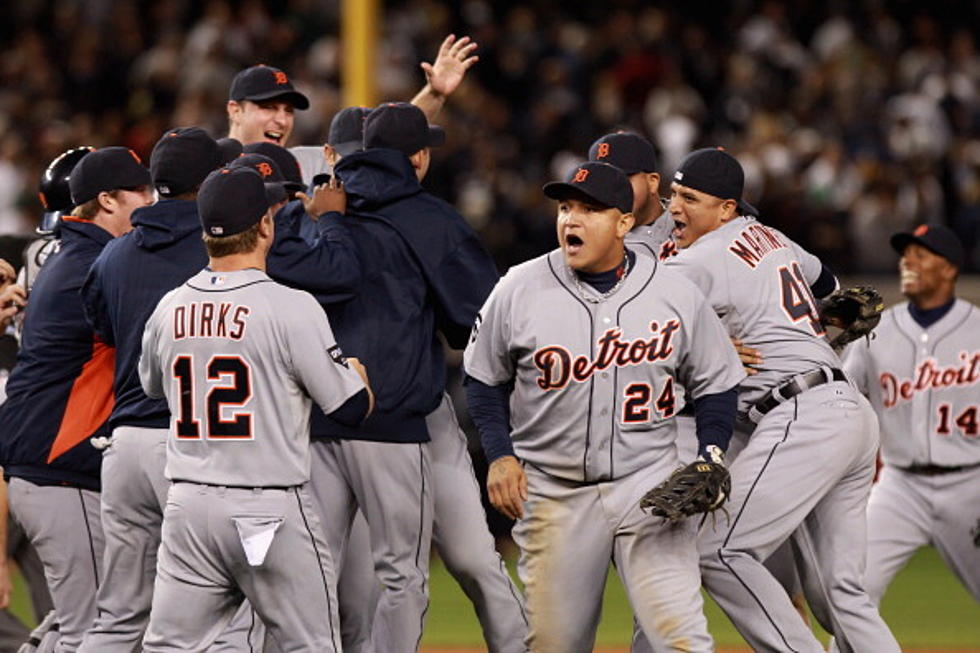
column 852, row 119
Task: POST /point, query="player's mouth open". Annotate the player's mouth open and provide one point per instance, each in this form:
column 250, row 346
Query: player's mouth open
column 679, row 227
column 573, row 243
column 274, row 136
column 909, row 276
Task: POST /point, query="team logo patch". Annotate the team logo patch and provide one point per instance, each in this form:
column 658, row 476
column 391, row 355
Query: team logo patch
column 475, row 331
column 337, row 355
column 678, row 175
column 218, row 279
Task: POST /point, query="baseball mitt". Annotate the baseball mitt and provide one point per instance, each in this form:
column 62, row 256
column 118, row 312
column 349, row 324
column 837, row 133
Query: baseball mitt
column 698, row 487
column 856, row 311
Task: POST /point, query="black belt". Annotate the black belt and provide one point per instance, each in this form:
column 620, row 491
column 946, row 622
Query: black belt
column 240, row 487
column 936, row 470
column 799, row 383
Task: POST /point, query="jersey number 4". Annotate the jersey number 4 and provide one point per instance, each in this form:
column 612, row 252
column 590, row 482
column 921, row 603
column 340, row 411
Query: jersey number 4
column 636, row 402
column 235, row 391
column 798, row 302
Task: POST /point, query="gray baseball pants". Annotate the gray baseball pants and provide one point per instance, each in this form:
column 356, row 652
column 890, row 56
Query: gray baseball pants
column 221, row 545
column 63, row 525
column 804, row 474
column 134, row 492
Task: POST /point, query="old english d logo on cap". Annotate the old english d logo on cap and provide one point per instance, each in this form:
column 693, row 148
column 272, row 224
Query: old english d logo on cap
column 580, row 176
column 921, row 230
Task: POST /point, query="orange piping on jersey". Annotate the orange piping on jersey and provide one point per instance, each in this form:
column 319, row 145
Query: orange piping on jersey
column 90, row 401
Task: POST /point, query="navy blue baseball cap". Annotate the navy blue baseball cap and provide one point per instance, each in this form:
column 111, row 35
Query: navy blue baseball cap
column 347, row 130
column 595, row 181
column 267, row 168
column 232, row 199
column 292, row 175
column 714, row 171
column 263, row 82
column 629, row 152
column 937, row 238
column 400, row 126
column 182, row 158
column 106, row 169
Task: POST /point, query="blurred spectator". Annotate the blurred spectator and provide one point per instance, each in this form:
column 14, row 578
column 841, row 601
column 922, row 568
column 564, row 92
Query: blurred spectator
column 852, row 119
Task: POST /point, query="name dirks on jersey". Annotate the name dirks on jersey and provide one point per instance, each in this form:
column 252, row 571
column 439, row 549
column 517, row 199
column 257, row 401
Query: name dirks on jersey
column 558, row 366
column 209, row 320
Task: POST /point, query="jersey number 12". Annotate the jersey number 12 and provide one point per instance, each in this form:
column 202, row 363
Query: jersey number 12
column 235, row 392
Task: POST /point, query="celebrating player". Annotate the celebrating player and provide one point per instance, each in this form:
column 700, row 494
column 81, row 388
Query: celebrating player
column 600, row 346
column 797, row 407
column 235, row 355
column 60, row 393
column 921, row 372
column 165, row 247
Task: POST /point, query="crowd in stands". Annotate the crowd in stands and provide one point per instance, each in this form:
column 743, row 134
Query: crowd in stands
column 853, row 120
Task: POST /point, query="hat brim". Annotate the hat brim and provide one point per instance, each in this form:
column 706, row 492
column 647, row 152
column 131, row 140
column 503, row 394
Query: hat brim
column 744, row 208
column 561, row 190
column 294, row 187
column 295, row 98
column 347, row 147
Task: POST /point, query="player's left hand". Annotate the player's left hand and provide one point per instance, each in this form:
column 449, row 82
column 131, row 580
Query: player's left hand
column 7, row 273
column 13, row 298
column 748, row 356
column 451, row 64
column 507, row 486
column 326, row 198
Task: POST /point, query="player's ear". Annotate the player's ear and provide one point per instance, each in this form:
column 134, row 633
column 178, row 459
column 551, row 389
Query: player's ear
column 626, row 222
column 331, row 155
column 653, row 181
column 106, row 201
column 729, row 210
column 234, row 110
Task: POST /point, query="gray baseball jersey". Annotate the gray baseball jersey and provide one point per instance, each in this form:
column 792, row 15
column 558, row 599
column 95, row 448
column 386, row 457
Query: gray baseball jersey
column 654, row 239
column 254, row 406
column 618, row 369
column 924, row 383
column 758, row 282
column 311, row 161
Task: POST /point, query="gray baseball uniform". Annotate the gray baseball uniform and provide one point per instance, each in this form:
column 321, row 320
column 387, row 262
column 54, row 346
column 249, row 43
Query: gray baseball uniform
column 798, row 408
column 311, row 161
column 597, row 380
column 923, row 384
column 235, row 355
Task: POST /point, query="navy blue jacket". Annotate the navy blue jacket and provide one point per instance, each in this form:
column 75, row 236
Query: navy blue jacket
column 164, row 250
column 424, row 270
column 127, row 282
column 60, row 391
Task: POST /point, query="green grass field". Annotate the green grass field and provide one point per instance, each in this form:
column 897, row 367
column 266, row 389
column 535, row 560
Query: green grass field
column 926, row 608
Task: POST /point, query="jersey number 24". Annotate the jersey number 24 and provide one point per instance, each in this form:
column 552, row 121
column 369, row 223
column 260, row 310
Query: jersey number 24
column 235, row 391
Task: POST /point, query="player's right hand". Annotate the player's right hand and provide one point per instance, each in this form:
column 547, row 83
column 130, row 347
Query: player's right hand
column 7, row 273
column 748, row 356
column 507, row 486
column 12, row 299
column 326, row 198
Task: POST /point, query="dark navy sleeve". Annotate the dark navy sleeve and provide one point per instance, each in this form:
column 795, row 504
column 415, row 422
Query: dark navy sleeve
column 94, row 304
column 353, row 411
column 489, row 407
column 715, row 418
column 328, row 269
column 461, row 285
column 825, row 284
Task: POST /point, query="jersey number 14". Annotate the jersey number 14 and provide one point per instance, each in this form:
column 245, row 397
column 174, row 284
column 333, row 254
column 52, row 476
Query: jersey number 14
column 234, row 392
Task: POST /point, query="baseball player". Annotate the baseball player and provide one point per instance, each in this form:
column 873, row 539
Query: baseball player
column 59, row 395
column 921, row 372
column 600, row 346
column 798, row 407
column 460, row 533
column 424, row 270
column 443, row 76
column 122, row 288
column 236, row 355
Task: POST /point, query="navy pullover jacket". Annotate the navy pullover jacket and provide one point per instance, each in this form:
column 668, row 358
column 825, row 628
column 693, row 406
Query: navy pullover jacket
column 127, row 282
column 60, row 391
column 163, row 251
column 424, row 270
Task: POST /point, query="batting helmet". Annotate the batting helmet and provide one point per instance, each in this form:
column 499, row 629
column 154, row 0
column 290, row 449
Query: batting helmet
column 53, row 191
